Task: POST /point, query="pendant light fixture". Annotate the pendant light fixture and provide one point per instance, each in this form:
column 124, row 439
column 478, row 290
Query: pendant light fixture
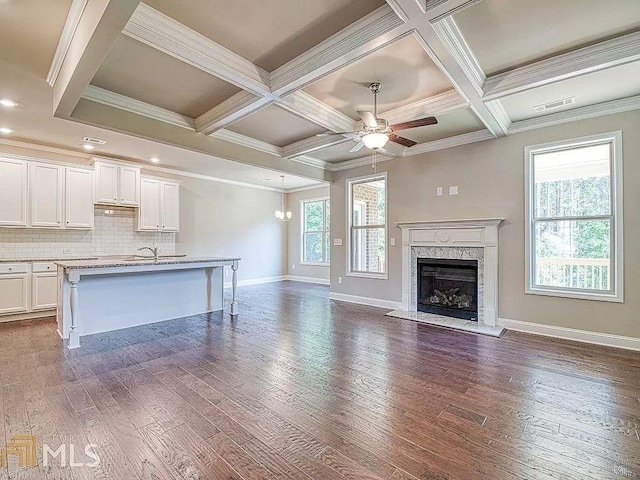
column 281, row 214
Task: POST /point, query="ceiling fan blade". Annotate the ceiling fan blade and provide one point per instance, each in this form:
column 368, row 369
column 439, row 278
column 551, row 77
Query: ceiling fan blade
column 326, row 134
column 368, row 119
column 357, row 147
column 401, row 140
column 421, row 122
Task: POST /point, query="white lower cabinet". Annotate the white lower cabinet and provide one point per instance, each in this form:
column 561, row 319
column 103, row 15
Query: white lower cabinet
column 14, row 288
column 44, row 291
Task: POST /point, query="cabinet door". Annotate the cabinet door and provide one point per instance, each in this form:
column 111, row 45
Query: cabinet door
column 44, row 291
column 45, row 194
column 13, row 293
column 170, row 195
column 129, row 186
column 106, row 183
column 13, row 192
column 149, row 214
column 78, row 198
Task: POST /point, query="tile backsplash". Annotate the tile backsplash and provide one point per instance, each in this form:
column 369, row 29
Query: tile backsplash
column 113, row 234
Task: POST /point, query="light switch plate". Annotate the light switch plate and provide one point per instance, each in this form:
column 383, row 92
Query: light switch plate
column 393, row 242
column 439, row 191
column 453, row 190
column 337, row 242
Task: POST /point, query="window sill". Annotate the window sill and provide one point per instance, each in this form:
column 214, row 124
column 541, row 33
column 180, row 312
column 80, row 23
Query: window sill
column 599, row 297
column 315, row 264
column 374, row 276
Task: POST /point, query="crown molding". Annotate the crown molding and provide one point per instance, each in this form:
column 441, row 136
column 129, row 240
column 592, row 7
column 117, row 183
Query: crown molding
column 455, row 43
column 231, row 110
column 301, row 103
column 437, row 105
column 245, row 141
column 607, row 54
column 163, row 33
column 357, row 162
column 112, row 99
column 309, row 187
column 375, row 30
column 44, row 148
column 70, row 26
column 500, row 114
column 311, row 144
column 438, row 10
column 450, row 142
column 307, row 160
column 576, row 114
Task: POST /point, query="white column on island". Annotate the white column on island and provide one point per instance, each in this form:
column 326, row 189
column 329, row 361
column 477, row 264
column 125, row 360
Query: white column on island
column 74, row 334
column 234, row 287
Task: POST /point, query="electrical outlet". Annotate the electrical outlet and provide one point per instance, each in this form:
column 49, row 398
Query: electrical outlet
column 67, row 251
column 439, row 191
column 293, row 267
column 340, row 280
column 393, row 242
column 453, row 190
column 337, row 242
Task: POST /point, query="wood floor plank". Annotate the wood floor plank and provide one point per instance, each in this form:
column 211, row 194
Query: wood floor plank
column 302, row 387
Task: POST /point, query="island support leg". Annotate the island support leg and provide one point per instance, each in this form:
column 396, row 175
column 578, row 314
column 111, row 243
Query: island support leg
column 74, row 334
column 234, row 287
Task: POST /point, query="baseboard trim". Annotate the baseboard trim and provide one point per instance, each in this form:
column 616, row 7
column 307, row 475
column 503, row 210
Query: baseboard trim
column 585, row 336
column 256, row 281
column 318, row 281
column 17, row 317
column 372, row 302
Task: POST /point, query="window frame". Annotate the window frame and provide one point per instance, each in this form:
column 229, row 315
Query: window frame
column 350, row 227
column 616, row 294
column 325, row 230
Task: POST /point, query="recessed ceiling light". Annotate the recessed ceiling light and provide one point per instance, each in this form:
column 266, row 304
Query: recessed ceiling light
column 6, row 131
column 5, row 102
column 86, row 146
column 154, row 160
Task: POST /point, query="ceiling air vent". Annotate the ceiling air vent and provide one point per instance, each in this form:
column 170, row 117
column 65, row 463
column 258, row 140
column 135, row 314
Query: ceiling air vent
column 94, row 141
column 557, row 104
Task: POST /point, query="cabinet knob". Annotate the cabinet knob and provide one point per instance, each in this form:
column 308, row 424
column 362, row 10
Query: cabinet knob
column 10, row 268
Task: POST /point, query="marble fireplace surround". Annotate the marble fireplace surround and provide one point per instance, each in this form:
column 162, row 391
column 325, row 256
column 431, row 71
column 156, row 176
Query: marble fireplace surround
column 475, row 239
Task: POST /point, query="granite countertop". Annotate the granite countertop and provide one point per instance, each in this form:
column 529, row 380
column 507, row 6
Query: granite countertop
column 55, row 259
column 133, row 262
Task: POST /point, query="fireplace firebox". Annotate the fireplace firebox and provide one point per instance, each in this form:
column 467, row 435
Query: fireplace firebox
column 448, row 287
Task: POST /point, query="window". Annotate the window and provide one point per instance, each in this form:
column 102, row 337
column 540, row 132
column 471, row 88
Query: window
column 574, row 218
column 315, row 231
column 368, row 226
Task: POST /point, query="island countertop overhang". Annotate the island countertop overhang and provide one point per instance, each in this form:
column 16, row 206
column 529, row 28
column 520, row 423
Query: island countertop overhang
column 121, row 263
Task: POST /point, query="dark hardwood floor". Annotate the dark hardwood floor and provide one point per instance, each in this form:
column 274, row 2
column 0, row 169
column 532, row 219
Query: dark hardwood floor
column 302, row 387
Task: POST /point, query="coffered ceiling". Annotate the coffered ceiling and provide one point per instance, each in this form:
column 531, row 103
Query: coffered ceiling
column 254, row 82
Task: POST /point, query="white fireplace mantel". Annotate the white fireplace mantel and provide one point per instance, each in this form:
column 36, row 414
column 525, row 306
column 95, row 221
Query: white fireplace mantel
column 475, row 233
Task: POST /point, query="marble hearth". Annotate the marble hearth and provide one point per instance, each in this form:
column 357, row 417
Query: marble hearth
column 457, row 239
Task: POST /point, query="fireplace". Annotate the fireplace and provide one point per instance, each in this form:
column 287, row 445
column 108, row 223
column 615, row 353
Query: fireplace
column 448, row 287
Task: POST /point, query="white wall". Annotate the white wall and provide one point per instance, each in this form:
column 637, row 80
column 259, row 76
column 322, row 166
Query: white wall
column 294, row 266
column 490, row 176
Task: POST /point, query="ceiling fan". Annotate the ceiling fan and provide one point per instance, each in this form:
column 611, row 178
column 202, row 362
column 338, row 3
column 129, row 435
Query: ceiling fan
column 377, row 131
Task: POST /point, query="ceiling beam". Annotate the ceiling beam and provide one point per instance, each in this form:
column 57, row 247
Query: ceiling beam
column 68, row 31
column 310, row 108
column 163, row 33
column 381, row 27
column 607, row 54
column 98, row 27
column 231, row 110
column 311, row 144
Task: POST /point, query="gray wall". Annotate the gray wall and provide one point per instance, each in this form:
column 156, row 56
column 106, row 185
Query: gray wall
column 294, row 267
column 219, row 219
column 490, row 176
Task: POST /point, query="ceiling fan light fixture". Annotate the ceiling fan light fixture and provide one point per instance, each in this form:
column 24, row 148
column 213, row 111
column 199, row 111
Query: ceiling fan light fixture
column 375, row 141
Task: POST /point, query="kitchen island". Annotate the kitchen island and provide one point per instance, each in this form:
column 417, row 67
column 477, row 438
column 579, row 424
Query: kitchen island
column 102, row 295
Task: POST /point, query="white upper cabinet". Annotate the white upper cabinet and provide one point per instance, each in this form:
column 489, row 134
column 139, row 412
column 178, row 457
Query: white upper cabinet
column 159, row 205
column 78, row 198
column 106, row 183
column 13, row 192
column 117, row 184
column 149, row 214
column 170, row 206
column 129, row 181
column 46, row 194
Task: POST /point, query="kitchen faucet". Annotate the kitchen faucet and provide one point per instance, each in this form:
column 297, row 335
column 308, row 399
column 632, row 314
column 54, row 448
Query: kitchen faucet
column 153, row 250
